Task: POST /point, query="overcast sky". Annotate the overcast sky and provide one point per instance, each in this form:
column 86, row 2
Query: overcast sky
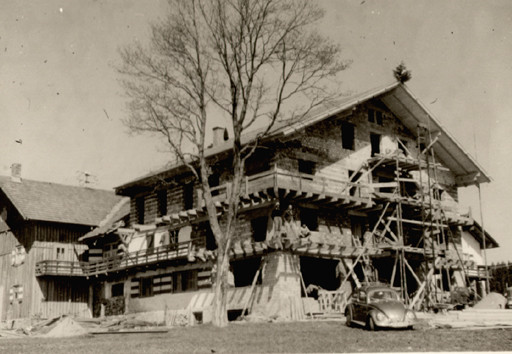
column 59, row 92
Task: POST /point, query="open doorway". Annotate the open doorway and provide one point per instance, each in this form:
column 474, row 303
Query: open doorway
column 320, row 273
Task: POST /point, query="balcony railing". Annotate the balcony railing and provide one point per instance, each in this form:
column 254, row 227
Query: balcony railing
column 62, row 268
column 143, row 257
column 297, row 183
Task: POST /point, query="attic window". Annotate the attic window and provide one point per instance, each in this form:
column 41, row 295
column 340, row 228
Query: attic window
column 347, row 136
column 161, row 196
column 375, row 116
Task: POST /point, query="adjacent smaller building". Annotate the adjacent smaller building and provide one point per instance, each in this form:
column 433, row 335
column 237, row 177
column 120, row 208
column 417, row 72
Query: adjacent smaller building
column 40, row 258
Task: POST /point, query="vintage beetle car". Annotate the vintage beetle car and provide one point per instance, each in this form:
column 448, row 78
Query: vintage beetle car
column 378, row 306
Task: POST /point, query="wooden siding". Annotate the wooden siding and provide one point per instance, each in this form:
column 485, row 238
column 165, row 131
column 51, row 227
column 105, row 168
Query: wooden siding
column 41, row 241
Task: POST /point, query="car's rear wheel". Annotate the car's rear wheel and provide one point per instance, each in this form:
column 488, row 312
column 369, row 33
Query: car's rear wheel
column 370, row 324
column 348, row 316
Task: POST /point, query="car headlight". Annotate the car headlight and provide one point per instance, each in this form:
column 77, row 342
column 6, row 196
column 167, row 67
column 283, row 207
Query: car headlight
column 380, row 316
column 410, row 315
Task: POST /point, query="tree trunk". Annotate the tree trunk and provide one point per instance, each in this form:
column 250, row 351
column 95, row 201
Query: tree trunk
column 220, row 314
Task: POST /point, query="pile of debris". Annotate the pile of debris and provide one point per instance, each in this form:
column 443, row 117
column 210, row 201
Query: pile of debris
column 66, row 326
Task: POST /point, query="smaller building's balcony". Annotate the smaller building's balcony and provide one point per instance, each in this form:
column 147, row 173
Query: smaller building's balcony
column 61, row 268
column 478, row 272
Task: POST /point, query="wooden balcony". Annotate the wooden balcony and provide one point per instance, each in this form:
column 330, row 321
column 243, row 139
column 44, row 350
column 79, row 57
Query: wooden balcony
column 145, row 257
column 61, row 268
column 300, row 186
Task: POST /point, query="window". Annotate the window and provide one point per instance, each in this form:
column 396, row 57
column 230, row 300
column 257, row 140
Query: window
column 259, row 228
column 375, row 142
column 162, row 284
column 213, row 181
column 371, row 116
column 309, row 217
column 146, row 287
column 188, row 196
column 161, row 196
column 378, row 117
column 375, row 116
column 307, row 167
column 139, row 206
column 60, row 253
column 402, row 146
column 347, row 136
column 16, row 293
column 18, row 255
column 188, row 280
column 117, row 289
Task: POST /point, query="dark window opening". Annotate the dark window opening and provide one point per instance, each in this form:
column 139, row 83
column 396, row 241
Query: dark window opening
column 354, row 178
column 234, row 315
column 117, row 289
column 422, row 147
column 150, row 242
column 139, row 206
column 259, row 228
column 359, row 225
column 161, row 196
column 245, row 270
column 188, row 196
column 257, row 164
column 347, row 136
column 189, row 280
column 185, row 281
column 146, row 287
column 371, row 116
column 307, row 167
column 387, row 189
column 402, row 146
column 378, row 117
column 211, row 244
column 375, row 142
column 213, row 181
column 309, row 217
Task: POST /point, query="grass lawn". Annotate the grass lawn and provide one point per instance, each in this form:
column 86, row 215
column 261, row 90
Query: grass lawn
column 319, row 336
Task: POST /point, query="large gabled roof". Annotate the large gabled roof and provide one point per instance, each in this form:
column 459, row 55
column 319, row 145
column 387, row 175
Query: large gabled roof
column 54, row 202
column 399, row 99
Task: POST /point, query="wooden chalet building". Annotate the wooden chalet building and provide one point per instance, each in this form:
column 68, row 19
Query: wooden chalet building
column 363, row 190
column 41, row 260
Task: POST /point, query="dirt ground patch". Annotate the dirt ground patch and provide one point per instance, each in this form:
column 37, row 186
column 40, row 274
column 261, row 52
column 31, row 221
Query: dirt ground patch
column 298, row 337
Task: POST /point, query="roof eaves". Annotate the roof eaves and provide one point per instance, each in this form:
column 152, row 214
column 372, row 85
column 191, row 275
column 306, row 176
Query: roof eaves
column 485, row 178
column 13, row 201
column 329, row 113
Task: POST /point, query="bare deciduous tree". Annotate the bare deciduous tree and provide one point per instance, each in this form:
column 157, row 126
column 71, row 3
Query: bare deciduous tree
column 248, row 59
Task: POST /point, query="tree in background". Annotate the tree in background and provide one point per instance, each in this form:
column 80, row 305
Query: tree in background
column 255, row 61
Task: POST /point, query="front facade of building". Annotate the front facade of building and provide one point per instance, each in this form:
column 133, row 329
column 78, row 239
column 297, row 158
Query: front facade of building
column 365, row 192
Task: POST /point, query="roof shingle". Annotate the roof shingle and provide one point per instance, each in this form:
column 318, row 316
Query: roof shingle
column 54, row 202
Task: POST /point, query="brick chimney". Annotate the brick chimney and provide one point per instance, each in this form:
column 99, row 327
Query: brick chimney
column 16, row 172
